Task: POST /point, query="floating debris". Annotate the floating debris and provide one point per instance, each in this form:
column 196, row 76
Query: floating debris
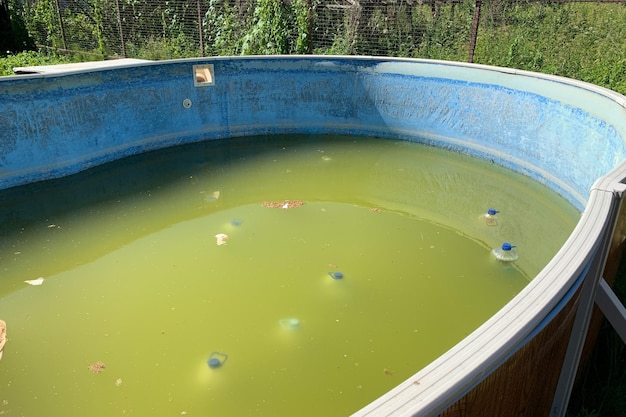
column 3, row 335
column 215, row 195
column 37, row 281
column 290, row 323
column 505, row 253
column 336, row 275
column 216, row 359
column 490, row 217
column 221, row 239
column 97, row 367
column 285, row 204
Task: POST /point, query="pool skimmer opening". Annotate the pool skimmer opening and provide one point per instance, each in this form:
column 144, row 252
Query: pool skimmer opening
column 203, row 75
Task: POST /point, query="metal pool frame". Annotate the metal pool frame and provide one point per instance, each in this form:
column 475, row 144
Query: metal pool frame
column 566, row 134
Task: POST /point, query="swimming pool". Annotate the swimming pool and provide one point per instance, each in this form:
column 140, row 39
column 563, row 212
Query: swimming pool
column 564, row 134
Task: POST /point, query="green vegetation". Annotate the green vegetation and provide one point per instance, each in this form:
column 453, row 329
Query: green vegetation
column 13, row 33
column 577, row 40
column 29, row 58
column 584, row 41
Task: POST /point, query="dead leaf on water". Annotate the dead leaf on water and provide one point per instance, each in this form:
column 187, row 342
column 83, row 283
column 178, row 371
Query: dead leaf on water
column 97, row 367
column 285, row 204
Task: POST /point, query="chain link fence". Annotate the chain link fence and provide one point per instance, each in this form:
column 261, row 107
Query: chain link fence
column 579, row 39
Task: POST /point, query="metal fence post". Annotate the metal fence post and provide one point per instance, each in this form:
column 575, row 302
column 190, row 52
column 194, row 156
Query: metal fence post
column 119, row 25
column 56, row 2
column 200, row 34
column 474, row 31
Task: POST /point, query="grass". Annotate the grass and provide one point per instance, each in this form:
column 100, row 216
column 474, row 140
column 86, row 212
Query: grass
column 30, row 58
column 584, row 41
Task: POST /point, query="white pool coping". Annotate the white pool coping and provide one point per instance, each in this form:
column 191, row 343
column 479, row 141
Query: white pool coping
column 59, row 69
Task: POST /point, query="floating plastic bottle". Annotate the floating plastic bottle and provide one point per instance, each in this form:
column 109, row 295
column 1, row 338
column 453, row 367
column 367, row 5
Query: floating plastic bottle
column 336, row 275
column 213, row 196
column 505, row 253
column 290, row 323
column 490, row 217
column 216, row 359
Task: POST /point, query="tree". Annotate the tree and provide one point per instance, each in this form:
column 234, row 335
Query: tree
column 13, row 34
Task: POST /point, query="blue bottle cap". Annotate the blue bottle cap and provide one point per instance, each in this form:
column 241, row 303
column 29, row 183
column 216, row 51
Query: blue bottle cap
column 492, row 211
column 214, row 363
column 507, row 246
column 335, row 275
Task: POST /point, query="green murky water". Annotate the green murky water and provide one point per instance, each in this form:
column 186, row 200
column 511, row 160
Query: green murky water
column 134, row 277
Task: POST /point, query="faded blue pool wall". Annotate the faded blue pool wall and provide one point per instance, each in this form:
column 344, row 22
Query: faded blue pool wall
column 563, row 135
